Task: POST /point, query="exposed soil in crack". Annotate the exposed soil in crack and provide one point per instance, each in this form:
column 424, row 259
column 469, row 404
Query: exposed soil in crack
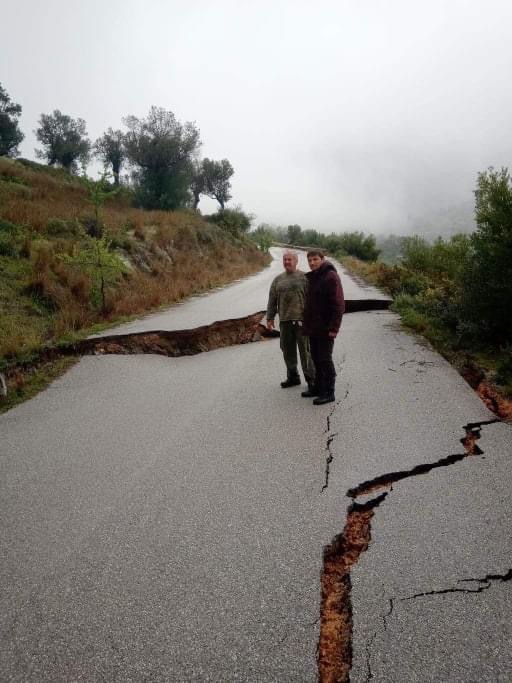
column 163, row 342
column 180, row 342
column 486, row 390
column 335, row 642
column 469, row 441
column 168, row 343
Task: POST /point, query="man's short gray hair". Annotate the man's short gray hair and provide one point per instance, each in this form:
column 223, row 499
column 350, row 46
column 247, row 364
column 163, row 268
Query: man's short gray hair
column 289, row 252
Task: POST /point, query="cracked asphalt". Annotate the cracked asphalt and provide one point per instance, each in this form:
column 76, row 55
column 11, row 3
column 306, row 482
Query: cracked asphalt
column 163, row 519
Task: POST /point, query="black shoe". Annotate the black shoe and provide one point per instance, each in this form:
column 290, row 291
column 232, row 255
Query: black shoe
column 311, row 391
column 290, row 382
column 328, row 398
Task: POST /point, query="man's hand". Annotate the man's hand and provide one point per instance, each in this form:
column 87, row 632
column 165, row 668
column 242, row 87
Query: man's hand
column 270, row 324
column 332, row 335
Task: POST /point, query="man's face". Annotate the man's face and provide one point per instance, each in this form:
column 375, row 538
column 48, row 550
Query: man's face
column 289, row 263
column 315, row 262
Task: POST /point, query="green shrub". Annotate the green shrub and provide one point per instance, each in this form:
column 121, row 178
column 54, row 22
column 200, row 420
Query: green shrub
column 93, row 226
column 412, row 282
column 59, row 227
column 121, row 242
column 15, row 189
column 487, row 277
column 234, row 221
column 504, row 369
column 8, row 245
column 8, row 227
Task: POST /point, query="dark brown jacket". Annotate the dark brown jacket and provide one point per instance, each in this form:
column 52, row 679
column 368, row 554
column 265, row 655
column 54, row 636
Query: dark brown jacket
column 325, row 304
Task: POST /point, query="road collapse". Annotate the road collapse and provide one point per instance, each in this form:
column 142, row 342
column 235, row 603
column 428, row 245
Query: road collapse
column 204, row 338
column 198, row 339
column 173, row 343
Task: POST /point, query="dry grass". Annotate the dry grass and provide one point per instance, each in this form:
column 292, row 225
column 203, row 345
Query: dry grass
column 171, row 255
column 33, row 197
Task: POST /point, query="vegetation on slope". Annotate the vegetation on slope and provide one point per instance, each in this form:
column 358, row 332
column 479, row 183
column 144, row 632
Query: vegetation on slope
column 74, row 254
column 458, row 292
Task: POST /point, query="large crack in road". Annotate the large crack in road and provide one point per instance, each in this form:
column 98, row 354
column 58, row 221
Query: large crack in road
column 336, row 627
column 335, row 641
column 174, row 343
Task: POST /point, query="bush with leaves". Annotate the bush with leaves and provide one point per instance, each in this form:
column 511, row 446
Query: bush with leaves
column 60, row 227
column 234, row 221
column 263, row 238
column 353, row 243
column 99, row 191
column 487, row 277
column 104, row 267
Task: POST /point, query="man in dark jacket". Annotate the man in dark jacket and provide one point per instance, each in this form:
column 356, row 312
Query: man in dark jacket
column 323, row 310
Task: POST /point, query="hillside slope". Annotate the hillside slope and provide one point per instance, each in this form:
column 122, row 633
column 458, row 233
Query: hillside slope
column 65, row 267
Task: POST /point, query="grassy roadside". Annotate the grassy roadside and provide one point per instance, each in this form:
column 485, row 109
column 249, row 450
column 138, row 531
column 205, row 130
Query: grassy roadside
column 485, row 369
column 67, row 270
column 26, row 383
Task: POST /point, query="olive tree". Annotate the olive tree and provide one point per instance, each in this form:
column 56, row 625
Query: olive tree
column 110, row 149
column 10, row 134
column 64, row 140
column 161, row 151
column 217, row 176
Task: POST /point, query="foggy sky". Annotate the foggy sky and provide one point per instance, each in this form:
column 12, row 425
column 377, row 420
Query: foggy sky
column 335, row 115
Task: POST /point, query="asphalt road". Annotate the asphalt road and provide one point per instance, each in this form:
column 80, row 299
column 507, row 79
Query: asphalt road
column 163, row 519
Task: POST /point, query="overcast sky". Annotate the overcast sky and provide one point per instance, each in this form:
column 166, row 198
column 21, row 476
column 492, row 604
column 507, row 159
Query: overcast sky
column 355, row 114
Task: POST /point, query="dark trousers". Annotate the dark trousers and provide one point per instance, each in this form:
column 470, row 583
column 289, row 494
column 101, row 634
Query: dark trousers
column 321, row 352
column 290, row 333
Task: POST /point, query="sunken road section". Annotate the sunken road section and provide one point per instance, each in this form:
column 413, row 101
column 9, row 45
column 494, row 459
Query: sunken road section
column 180, row 342
column 167, row 342
column 172, row 343
column 205, row 338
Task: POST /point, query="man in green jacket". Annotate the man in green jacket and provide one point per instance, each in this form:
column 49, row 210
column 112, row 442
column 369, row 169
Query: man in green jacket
column 286, row 297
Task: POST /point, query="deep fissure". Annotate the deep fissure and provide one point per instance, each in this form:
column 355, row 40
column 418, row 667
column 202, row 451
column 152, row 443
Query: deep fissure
column 387, row 480
column 335, row 641
column 173, row 343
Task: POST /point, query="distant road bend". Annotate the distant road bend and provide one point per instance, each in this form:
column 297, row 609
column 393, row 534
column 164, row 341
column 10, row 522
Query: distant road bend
column 176, row 517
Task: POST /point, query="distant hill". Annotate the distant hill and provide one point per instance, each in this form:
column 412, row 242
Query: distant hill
column 445, row 222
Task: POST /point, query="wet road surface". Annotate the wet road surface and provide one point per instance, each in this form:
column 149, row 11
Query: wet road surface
column 163, row 519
